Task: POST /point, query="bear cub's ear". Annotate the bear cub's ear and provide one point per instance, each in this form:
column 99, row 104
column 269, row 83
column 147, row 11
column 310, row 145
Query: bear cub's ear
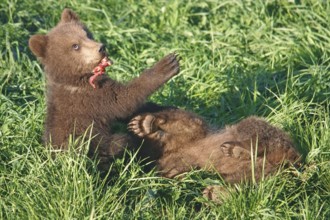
column 37, row 44
column 68, row 15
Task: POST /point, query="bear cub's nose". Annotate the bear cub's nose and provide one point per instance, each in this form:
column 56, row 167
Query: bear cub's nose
column 102, row 49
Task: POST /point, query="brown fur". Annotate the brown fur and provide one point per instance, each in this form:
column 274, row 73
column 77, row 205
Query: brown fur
column 73, row 105
column 184, row 141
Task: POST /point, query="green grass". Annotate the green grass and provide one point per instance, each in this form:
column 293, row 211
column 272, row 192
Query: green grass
column 239, row 58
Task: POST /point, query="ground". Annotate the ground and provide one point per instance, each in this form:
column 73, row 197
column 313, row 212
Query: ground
column 239, row 58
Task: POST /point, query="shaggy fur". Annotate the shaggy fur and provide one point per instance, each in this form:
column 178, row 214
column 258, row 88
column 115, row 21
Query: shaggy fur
column 184, row 141
column 175, row 139
column 69, row 55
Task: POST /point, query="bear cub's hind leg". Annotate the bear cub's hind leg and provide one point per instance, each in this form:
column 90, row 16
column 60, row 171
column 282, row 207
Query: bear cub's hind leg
column 235, row 149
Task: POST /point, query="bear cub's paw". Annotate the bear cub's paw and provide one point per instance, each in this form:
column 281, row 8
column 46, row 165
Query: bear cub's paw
column 217, row 194
column 233, row 149
column 143, row 125
column 169, row 65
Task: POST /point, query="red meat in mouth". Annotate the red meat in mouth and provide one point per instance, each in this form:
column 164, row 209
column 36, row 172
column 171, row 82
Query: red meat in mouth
column 99, row 70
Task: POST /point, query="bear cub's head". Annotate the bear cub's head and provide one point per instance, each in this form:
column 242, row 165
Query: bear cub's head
column 68, row 52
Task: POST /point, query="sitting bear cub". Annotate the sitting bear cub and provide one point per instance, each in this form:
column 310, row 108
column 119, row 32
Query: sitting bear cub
column 77, row 98
column 184, row 141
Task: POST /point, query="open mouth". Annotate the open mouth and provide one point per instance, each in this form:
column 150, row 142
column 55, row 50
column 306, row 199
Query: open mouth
column 99, row 70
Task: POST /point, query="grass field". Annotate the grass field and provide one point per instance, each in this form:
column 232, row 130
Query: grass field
column 239, row 58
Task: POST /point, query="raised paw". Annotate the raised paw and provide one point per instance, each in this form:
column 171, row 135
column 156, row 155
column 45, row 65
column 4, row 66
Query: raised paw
column 233, row 149
column 169, row 65
column 142, row 125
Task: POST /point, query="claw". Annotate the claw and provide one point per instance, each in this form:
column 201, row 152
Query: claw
column 139, row 134
column 136, row 118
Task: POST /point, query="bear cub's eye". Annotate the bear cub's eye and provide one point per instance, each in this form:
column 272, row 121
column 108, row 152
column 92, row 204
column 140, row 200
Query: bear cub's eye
column 75, row 46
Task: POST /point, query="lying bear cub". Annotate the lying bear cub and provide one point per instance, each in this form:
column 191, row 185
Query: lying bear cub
column 80, row 95
column 184, row 141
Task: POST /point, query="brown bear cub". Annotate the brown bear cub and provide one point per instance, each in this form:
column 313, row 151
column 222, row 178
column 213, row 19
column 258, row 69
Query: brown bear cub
column 184, row 141
column 80, row 95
